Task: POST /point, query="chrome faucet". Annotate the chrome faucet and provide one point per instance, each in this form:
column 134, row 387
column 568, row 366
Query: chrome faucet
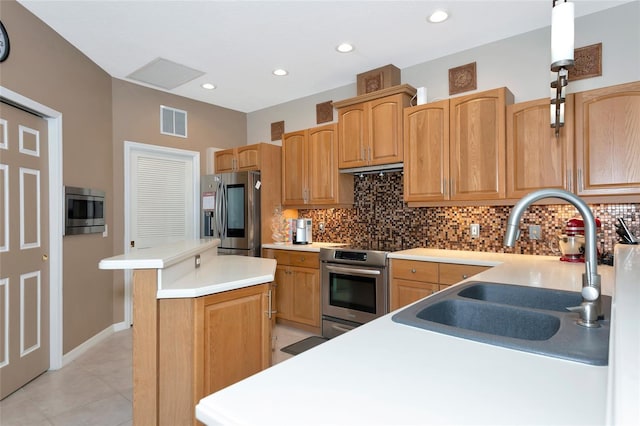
column 589, row 309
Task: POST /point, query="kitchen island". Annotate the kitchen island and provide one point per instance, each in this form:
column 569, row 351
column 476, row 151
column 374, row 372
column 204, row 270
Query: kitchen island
column 200, row 322
column 388, row 373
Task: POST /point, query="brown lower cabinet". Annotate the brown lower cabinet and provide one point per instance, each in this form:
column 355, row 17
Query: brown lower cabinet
column 412, row 280
column 297, row 282
column 185, row 349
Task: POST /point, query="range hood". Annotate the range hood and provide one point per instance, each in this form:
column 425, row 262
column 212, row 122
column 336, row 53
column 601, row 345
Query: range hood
column 381, row 168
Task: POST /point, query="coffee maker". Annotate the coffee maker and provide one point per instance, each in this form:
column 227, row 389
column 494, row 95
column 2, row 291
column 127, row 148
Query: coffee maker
column 302, row 231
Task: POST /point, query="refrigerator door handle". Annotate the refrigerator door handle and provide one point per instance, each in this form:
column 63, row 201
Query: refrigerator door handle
column 223, row 211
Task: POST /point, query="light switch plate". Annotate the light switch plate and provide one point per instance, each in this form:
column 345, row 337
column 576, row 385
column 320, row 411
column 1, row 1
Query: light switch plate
column 474, row 230
column 535, row 233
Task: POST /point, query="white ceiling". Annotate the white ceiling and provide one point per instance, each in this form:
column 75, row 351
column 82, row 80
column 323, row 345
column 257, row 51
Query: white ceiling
column 237, row 44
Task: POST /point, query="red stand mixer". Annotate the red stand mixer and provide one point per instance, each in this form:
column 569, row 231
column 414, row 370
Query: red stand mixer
column 572, row 241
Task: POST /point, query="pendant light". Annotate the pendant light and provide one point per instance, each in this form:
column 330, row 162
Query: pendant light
column 562, row 48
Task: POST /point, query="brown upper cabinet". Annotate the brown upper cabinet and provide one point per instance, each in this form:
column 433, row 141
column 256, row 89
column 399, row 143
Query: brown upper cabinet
column 310, row 174
column 456, row 148
column 607, row 123
column 477, row 145
column 370, row 127
column 426, row 145
column 536, row 158
column 238, row 159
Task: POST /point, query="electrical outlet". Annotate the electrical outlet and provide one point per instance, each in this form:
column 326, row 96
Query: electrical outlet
column 197, row 260
column 321, row 226
column 535, row 233
column 474, row 230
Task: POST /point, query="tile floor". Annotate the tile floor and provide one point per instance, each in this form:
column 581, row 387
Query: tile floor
column 96, row 388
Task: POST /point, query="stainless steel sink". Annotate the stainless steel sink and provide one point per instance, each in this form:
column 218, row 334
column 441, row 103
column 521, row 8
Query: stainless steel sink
column 523, row 318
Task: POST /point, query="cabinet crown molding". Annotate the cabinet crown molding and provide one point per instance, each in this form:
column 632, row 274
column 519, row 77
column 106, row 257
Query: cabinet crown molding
column 395, row 90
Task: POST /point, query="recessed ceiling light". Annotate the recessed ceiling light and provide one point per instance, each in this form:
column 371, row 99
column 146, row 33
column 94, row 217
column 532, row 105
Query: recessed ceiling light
column 208, row 86
column 280, row 72
column 438, row 16
column 344, row 48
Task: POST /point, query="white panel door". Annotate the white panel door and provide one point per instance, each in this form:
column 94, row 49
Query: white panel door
column 24, row 248
column 161, row 190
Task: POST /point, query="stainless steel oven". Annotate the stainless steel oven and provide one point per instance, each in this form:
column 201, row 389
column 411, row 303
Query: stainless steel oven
column 84, row 210
column 354, row 288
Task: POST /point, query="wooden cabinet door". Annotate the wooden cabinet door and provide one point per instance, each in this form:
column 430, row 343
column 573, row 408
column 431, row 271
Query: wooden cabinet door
column 536, row 158
column 404, row 292
column 322, row 171
column 384, row 143
column 352, row 130
column 426, row 149
column 248, row 157
column 294, row 168
column 608, row 140
column 477, row 145
column 282, row 282
column 305, row 288
column 237, row 336
column 225, row 161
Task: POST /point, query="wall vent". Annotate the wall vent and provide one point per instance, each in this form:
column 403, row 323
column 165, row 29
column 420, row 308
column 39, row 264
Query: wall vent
column 173, row 121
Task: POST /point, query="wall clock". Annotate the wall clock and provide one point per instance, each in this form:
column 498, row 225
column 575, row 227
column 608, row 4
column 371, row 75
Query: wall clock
column 4, row 43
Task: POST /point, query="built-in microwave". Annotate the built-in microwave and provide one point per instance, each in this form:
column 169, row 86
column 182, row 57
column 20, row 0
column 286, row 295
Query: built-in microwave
column 84, row 210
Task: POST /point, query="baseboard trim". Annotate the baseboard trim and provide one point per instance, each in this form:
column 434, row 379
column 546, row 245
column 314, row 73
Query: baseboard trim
column 73, row 354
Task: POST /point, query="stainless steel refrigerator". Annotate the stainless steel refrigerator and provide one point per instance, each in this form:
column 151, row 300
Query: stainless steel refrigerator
column 230, row 210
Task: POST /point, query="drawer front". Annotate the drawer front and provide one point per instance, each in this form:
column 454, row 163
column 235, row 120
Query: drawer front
column 414, row 270
column 304, row 259
column 281, row 256
column 451, row 273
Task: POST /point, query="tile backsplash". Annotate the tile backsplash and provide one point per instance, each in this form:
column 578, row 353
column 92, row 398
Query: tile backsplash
column 381, row 219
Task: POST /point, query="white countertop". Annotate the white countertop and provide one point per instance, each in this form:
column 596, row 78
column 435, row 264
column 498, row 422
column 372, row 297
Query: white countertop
column 221, row 273
column 159, row 257
column 388, row 373
column 178, row 276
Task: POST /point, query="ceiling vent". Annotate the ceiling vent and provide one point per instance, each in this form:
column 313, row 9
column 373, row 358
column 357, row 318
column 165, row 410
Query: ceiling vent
column 173, row 121
column 165, row 74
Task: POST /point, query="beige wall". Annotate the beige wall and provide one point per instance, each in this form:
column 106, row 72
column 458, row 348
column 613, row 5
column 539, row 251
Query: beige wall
column 44, row 67
column 136, row 118
column 99, row 114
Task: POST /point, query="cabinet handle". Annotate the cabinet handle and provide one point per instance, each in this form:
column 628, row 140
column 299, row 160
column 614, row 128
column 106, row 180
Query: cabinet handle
column 413, row 271
column 302, row 259
column 465, row 276
column 369, row 156
column 343, row 329
column 580, row 182
column 270, row 312
column 569, row 183
column 444, row 187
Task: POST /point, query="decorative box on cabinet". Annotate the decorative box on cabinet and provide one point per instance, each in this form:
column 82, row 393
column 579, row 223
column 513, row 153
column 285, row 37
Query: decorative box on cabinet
column 607, row 123
column 412, row 280
column 297, row 283
column 370, row 127
column 310, row 174
column 536, row 158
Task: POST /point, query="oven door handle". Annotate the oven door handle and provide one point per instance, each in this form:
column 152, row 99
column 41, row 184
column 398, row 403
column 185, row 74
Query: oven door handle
column 343, row 270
